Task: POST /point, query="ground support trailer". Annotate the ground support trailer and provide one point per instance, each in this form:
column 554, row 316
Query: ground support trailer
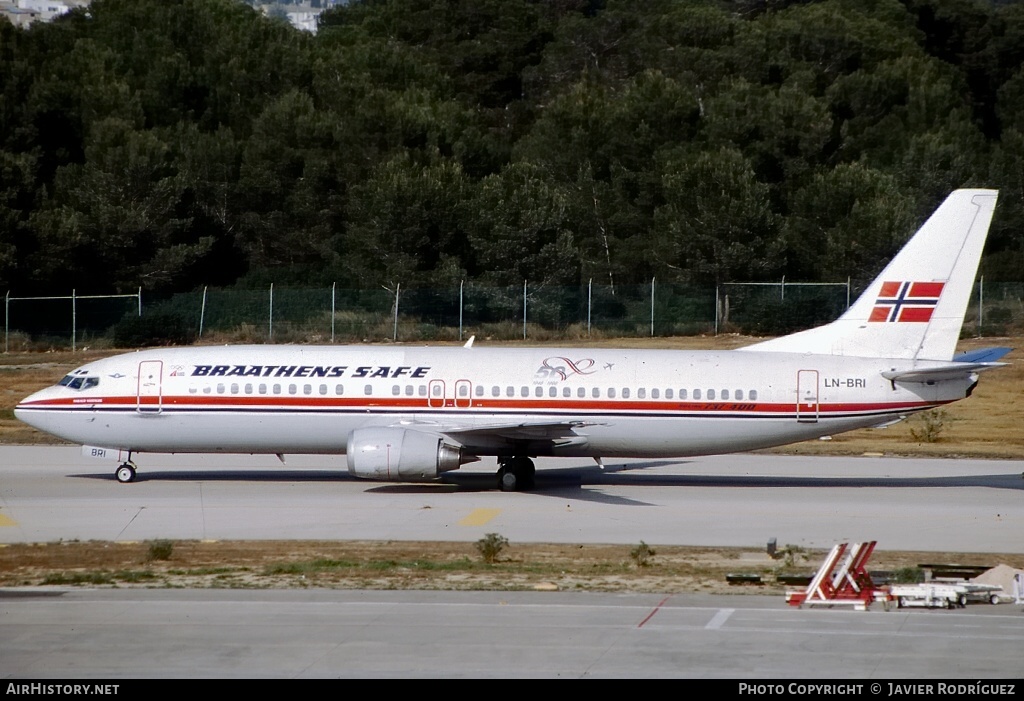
column 842, row 579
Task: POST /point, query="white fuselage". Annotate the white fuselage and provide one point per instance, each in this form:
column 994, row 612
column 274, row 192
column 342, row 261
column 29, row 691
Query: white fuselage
column 608, row 403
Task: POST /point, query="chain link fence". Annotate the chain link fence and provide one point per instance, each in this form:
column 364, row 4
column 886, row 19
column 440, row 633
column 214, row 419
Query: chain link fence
column 530, row 312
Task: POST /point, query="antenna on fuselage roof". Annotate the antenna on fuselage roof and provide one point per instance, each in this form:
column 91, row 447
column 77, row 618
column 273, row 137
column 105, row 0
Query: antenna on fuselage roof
column 469, row 343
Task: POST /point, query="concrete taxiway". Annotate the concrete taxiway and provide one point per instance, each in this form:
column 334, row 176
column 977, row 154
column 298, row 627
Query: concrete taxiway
column 174, row 634
column 54, row 493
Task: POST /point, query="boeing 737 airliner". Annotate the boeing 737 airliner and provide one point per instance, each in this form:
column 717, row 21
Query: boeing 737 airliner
column 412, row 414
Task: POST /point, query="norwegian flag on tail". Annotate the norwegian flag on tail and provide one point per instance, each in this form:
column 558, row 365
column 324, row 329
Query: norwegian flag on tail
column 906, row 301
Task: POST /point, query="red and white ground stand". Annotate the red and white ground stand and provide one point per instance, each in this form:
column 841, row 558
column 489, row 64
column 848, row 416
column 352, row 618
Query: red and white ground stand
column 842, row 580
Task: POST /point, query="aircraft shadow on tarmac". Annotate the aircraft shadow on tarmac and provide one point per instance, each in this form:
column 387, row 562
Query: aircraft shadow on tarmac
column 572, row 480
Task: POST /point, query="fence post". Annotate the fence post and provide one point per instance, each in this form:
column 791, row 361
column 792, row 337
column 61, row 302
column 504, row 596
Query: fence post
column 524, row 310
column 334, row 286
column 74, row 321
column 652, row 307
column 718, row 308
column 462, row 284
column 398, row 292
column 270, row 334
column 7, row 317
column 140, row 302
column 590, row 302
column 202, row 313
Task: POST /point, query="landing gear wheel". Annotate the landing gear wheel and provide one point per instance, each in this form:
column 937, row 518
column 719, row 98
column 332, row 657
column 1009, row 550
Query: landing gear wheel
column 125, row 473
column 516, row 474
column 507, row 480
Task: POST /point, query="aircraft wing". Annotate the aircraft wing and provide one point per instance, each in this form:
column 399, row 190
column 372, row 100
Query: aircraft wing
column 512, row 433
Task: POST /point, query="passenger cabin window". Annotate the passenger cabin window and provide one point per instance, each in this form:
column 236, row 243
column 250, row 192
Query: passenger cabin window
column 753, row 394
column 739, row 394
column 711, row 394
column 696, row 394
column 367, row 390
column 339, row 390
column 725, row 394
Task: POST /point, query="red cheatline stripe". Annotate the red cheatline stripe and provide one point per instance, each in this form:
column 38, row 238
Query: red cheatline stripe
column 484, row 405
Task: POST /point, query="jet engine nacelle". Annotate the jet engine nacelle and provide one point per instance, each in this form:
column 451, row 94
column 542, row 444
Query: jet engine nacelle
column 400, row 455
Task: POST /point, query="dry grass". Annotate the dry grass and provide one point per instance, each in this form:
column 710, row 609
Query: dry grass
column 411, row 565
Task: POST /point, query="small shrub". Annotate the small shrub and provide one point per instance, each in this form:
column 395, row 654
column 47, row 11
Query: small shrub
column 161, row 550
column 791, row 554
column 907, row 575
column 490, row 546
column 931, row 425
column 642, row 554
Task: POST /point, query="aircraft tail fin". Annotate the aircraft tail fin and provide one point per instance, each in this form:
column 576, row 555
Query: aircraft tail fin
column 915, row 307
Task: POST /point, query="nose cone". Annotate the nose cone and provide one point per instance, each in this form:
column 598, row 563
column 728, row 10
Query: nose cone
column 32, row 409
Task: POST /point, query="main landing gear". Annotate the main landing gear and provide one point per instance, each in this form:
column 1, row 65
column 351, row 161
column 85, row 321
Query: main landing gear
column 515, row 473
column 126, row 472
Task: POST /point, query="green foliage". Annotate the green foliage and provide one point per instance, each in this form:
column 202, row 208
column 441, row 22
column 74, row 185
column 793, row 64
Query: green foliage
column 642, row 554
column 490, row 546
column 907, row 575
column 930, row 425
column 176, row 145
column 160, row 549
column 153, row 329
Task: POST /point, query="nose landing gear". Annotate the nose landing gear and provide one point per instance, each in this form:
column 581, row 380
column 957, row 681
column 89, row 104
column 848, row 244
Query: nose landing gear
column 125, row 473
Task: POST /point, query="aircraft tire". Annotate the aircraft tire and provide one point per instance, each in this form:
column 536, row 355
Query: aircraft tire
column 125, row 474
column 507, row 480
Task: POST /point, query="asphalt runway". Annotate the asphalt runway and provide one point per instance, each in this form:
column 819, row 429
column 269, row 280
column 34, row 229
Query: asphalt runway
column 52, row 493
column 49, row 494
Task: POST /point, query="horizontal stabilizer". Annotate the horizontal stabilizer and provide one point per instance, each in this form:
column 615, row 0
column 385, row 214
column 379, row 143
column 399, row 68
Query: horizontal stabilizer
column 982, row 355
column 949, row 371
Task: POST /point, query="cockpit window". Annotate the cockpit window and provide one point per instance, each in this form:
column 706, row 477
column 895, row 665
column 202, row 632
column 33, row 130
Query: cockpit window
column 79, row 382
